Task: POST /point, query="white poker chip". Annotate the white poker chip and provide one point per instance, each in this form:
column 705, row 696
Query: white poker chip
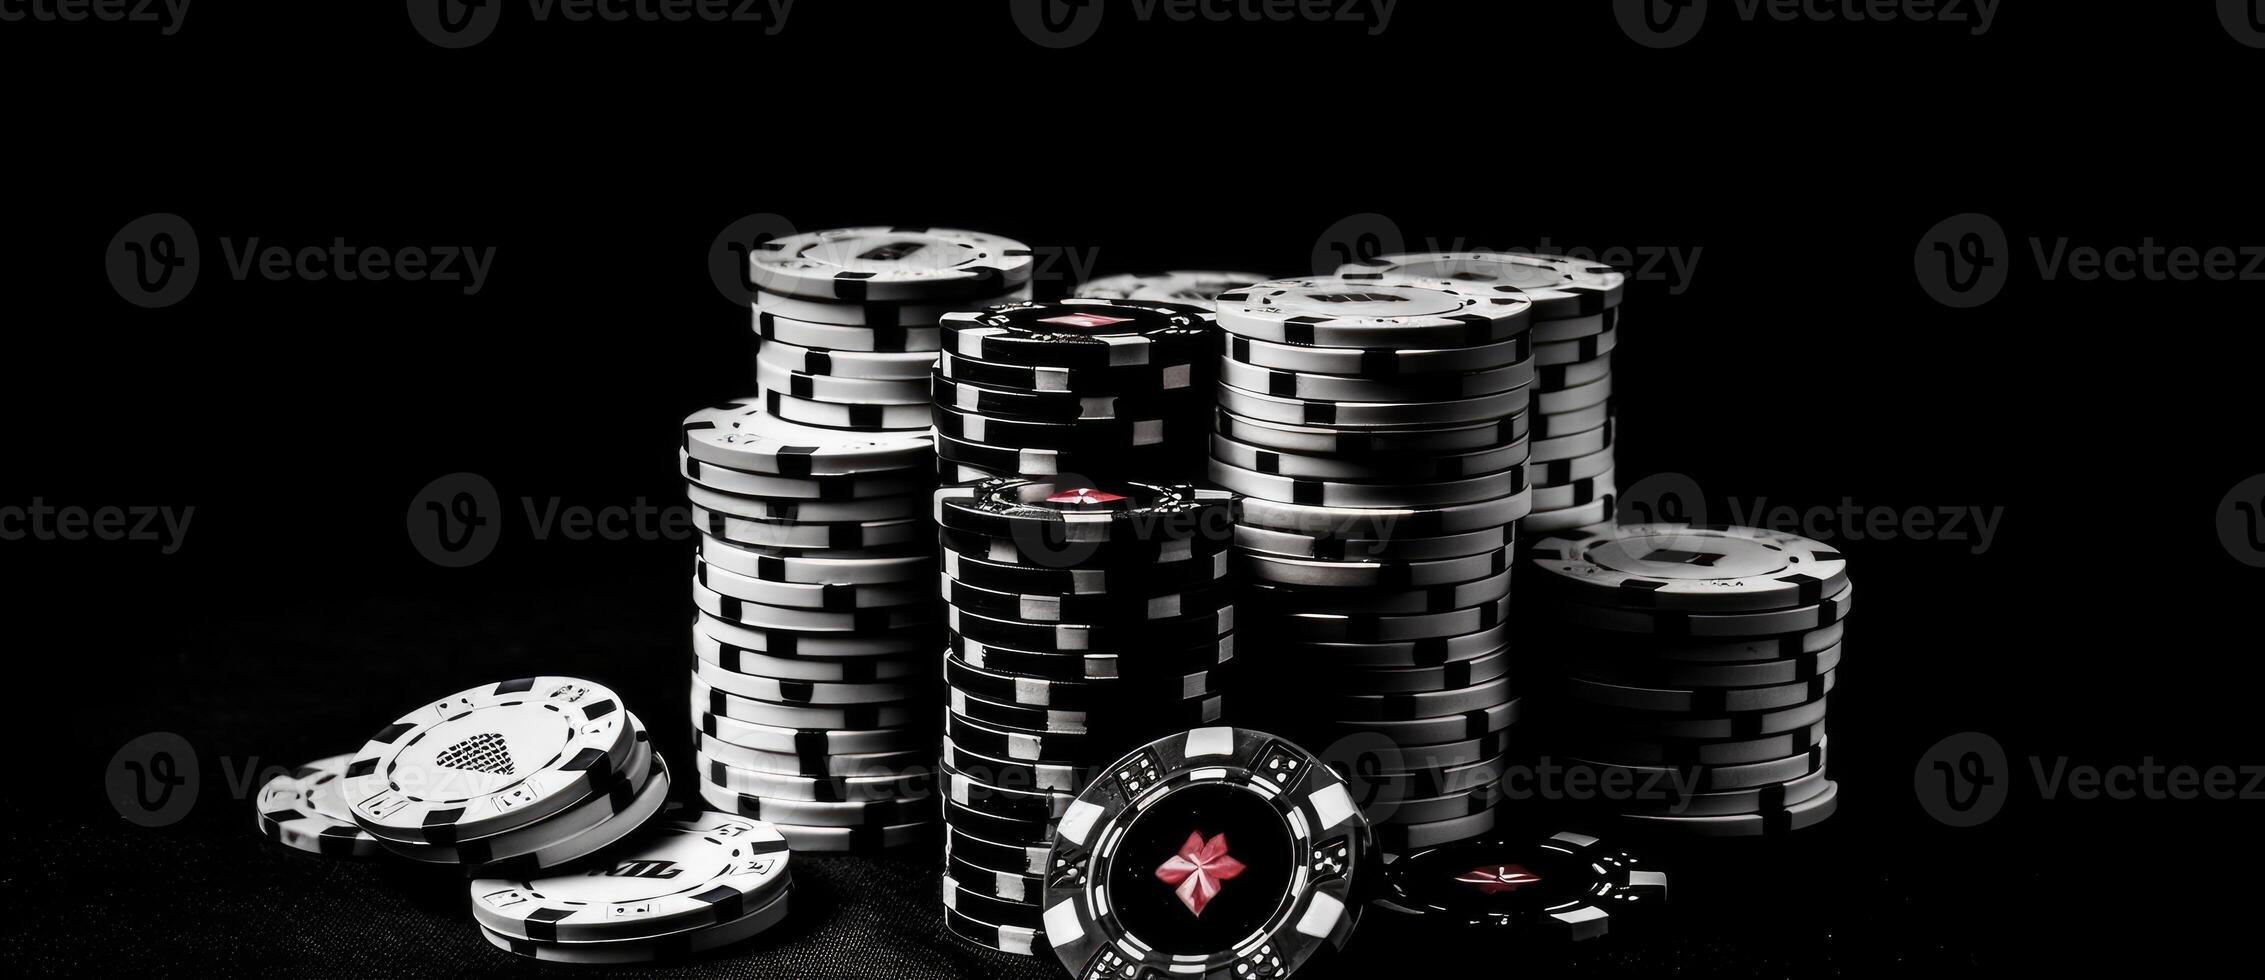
column 304, row 810
column 891, row 264
column 741, row 435
column 489, row 759
column 699, row 871
column 1332, row 311
column 1561, row 287
column 1194, row 288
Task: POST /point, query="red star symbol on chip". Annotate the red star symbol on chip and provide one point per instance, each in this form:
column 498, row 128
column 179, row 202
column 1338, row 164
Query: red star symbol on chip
column 1085, row 495
column 1498, row 878
column 1083, row 321
column 1198, row 870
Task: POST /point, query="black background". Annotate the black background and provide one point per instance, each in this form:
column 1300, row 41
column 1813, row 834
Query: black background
column 1801, row 363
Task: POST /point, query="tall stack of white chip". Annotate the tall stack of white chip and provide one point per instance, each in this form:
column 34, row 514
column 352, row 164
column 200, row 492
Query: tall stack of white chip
column 813, row 680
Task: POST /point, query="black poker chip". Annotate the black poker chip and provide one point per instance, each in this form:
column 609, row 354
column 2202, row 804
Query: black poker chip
column 1160, row 663
column 1086, row 434
column 1127, row 579
column 1195, row 374
column 1082, row 333
column 1570, row 886
column 1215, row 852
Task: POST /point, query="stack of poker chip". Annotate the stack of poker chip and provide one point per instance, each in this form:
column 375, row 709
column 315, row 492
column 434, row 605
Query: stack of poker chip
column 1216, row 852
column 1084, row 620
column 688, row 886
column 1695, row 663
column 1378, row 435
column 1187, row 287
column 816, row 624
column 812, row 689
column 847, row 317
column 1576, row 319
column 512, row 778
column 1099, row 388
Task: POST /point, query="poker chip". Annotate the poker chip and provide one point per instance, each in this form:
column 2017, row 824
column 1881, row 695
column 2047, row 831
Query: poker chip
column 490, row 759
column 1338, row 312
column 741, row 435
column 875, row 314
column 1568, row 886
column 868, row 365
column 770, row 377
column 1378, row 468
column 814, row 746
column 879, row 783
column 1363, row 415
column 1451, row 385
column 719, row 867
column 1081, row 334
column 1217, row 852
column 1378, row 363
column 1709, row 568
column 563, row 837
column 1559, row 287
column 1193, row 288
column 671, row 947
column 303, row 809
column 726, row 480
column 803, row 764
column 886, row 264
column 854, row 813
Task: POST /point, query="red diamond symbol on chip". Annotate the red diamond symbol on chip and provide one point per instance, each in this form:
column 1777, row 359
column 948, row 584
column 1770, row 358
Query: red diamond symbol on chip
column 1498, row 878
column 1084, row 321
column 1198, row 871
column 1087, row 496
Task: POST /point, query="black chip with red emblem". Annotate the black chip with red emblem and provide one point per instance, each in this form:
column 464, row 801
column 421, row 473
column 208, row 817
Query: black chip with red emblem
column 1040, row 514
column 1570, row 885
column 1218, row 853
column 1083, row 334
